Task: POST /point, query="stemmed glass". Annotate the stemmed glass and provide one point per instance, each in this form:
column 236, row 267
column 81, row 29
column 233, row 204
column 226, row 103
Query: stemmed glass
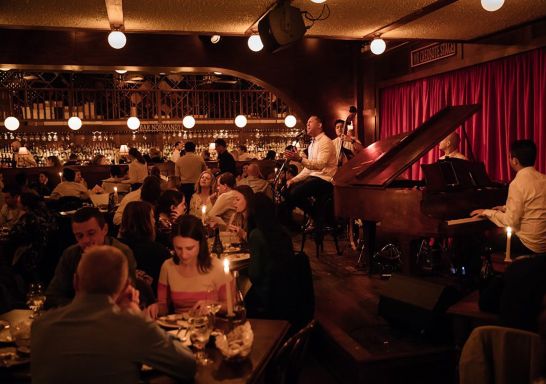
column 213, row 304
column 200, row 330
column 36, row 299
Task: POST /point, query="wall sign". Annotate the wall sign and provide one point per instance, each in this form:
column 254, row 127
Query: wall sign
column 432, row 52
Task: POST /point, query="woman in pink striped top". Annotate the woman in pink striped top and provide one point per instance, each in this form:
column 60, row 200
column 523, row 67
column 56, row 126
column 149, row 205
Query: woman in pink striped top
column 190, row 275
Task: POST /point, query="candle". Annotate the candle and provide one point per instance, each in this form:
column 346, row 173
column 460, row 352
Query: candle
column 116, row 197
column 507, row 258
column 203, row 213
column 228, row 288
column 276, row 169
column 61, row 176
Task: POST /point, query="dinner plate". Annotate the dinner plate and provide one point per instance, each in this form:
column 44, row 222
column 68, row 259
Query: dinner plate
column 238, row 257
column 174, row 321
column 9, row 357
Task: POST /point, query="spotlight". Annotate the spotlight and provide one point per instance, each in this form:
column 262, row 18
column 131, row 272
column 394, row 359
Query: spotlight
column 214, row 39
column 117, row 39
column 290, row 121
column 11, row 123
column 378, row 46
column 492, row 5
column 133, row 123
column 240, row 121
column 74, row 123
column 255, row 43
column 188, row 122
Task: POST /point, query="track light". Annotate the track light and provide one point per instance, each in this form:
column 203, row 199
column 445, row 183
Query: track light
column 492, row 5
column 255, row 43
column 117, row 39
column 74, row 123
column 378, row 46
column 11, row 123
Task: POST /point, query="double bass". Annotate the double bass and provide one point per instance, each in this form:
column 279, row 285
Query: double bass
column 345, row 154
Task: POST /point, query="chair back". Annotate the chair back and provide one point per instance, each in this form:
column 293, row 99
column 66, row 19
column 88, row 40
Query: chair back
column 286, row 366
column 501, row 355
column 69, row 203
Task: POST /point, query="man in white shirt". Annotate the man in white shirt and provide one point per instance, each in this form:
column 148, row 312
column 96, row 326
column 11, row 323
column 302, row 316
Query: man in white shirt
column 189, row 168
column 345, row 144
column 525, row 209
column 176, row 152
column 315, row 180
column 69, row 187
column 450, row 147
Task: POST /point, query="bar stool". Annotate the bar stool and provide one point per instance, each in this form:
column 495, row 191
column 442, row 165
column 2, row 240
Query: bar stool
column 330, row 226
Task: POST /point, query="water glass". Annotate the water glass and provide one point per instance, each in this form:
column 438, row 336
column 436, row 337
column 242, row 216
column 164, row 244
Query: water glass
column 36, row 299
column 200, row 330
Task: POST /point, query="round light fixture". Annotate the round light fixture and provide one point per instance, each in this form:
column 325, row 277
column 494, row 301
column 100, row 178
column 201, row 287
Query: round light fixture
column 188, row 122
column 117, row 39
column 492, row 5
column 121, row 71
column 240, row 121
column 290, row 121
column 74, row 123
column 378, row 46
column 319, row 1
column 11, row 123
column 133, row 123
column 255, row 43
column 215, row 39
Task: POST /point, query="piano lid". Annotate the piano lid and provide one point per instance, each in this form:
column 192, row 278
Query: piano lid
column 383, row 161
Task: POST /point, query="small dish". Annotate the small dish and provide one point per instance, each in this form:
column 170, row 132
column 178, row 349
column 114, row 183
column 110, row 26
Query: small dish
column 179, row 320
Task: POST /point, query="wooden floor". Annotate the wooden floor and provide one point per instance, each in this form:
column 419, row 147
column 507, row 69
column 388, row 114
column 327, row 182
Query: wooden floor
column 353, row 343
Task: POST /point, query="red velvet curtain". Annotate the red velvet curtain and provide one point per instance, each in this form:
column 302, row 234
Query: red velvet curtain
column 511, row 91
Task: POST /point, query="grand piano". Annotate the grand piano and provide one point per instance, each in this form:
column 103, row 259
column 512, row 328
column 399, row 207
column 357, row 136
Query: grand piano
column 370, row 186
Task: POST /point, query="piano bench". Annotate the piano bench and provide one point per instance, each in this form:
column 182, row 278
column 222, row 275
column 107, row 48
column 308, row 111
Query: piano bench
column 466, row 315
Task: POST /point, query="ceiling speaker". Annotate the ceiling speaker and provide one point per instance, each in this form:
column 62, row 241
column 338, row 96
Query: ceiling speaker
column 282, row 26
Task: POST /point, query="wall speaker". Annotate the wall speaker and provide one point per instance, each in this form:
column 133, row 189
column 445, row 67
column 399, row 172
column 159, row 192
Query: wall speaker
column 282, row 26
column 417, row 305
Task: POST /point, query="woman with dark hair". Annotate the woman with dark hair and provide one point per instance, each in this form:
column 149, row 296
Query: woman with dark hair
column 53, row 161
column 282, row 286
column 170, row 207
column 191, row 275
column 244, row 197
column 138, row 170
column 99, row 160
column 32, row 239
column 138, row 232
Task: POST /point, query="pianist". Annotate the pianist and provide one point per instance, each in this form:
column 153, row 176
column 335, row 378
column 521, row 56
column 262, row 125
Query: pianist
column 525, row 209
column 450, row 147
column 315, row 180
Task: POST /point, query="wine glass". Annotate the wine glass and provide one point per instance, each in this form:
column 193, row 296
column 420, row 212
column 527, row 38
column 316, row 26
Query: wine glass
column 213, row 304
column 36, row 299
column 200, row 330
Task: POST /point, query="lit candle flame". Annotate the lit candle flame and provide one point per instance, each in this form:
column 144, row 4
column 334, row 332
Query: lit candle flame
column 116, row 189
column 509, row 231
column 203, row 209
column 226, row 266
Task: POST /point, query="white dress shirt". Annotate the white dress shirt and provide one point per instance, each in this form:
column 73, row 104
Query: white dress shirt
column 525, row 209
column 321, row 161
column 175, row 156
column 454, row 155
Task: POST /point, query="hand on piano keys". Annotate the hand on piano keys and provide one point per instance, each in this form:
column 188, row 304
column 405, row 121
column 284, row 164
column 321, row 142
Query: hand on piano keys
column 477, row 213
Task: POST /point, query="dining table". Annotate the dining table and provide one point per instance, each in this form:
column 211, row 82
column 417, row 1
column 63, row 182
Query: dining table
column 269, row 335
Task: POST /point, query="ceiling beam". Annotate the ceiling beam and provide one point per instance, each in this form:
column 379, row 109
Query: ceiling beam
column 410, row 18
column 114, row 8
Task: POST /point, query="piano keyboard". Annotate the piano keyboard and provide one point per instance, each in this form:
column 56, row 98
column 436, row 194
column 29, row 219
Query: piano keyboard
column 466, row 220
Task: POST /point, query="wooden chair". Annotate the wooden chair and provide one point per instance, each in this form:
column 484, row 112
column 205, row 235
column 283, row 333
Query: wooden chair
column 286, row 366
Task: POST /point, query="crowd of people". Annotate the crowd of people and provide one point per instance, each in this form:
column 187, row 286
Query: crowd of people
column 148, row 255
